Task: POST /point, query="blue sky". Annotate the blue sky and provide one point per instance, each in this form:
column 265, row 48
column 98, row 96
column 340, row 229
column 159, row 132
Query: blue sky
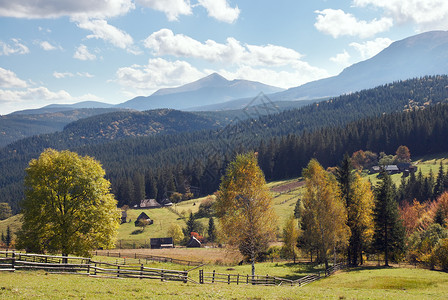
column 65, row 51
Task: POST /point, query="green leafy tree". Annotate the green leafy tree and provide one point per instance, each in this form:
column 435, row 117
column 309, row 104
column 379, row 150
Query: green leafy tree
column 244, row 207
column 389, row 230
column 5, row 211
column 325, row 215
column 68, row 206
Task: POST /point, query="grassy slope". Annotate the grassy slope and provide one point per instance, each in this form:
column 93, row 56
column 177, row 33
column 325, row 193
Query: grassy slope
column 361, row 284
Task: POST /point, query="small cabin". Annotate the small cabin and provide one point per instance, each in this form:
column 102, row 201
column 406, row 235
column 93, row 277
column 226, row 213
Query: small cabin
column 159, row 243
column 149, row 203
column 193, row 243
column 143, row 219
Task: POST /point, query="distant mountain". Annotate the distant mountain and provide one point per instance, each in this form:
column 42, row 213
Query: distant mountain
column 413, row 57
column 62, row 107
column 18, row 125
column 209, row 90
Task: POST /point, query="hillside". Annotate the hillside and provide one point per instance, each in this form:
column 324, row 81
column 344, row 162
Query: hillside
column 126, row 124
column 197, row 159
column 20, row 125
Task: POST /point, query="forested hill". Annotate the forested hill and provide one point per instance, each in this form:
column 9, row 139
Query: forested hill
column 17, row 126
column 155, row 166
column 126, row 124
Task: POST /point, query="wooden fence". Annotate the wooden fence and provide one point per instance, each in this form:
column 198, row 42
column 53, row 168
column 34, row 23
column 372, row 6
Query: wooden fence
column 149, row 258
column 11, row 261
column 79, row 265
column 214, row 277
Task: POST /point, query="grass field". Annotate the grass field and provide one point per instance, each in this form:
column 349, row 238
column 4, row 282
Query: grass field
column 369, row 283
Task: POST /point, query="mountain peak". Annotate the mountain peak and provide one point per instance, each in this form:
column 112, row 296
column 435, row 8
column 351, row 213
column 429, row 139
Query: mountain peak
column 213, row 79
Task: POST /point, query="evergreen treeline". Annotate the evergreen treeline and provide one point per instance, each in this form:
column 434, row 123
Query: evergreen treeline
column 158, row 166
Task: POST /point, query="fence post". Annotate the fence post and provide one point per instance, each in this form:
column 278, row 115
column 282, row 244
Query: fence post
column 161, row 275
column 228, row 279
column 201, row 278
column 237, row 278
column 118, row 271
column 185, row 276
column 95, row 270
column 247, row 279
column 213, row 277
column 141, row 271
column 88, row 266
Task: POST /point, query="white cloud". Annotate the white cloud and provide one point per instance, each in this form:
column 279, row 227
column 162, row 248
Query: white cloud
column 172, row 8
column 47, row 46
column 61, row 75
column 82, row 53
column 341, row 59
column 102, row 30
column 15, row 48
column 220, row 10
column 369, row 49
column 336, row 23
column 158, row 73
column 84, row 74
column 43, row 9
column 8, row 79
column 165, row 42
column 427, row 14
column 33, row 94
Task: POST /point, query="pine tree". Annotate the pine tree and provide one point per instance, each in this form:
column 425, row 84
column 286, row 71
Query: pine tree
column 8, row 237
column 211, row 231
column 439, row 187
column 389, row 231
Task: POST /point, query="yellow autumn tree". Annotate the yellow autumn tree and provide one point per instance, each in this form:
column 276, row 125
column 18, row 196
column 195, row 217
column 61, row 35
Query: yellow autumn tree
column 360, row 212
column 324, row 217
column 290, row 235
column 244, row 207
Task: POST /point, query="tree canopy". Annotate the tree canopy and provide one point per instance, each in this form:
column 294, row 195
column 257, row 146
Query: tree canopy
column 244, row 207
column 325, row 216
column 68, row 206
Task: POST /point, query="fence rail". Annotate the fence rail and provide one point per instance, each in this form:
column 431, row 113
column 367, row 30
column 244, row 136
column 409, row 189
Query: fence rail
column 147, row 257
column 214, row 277
column 79, row 265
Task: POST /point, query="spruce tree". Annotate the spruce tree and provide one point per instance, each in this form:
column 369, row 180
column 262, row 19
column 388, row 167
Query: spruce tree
column 389, row 231
column 211, row 230
column 439, row 187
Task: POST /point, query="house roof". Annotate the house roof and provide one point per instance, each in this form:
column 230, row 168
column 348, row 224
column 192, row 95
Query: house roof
column 143, row 216
column 149, row 203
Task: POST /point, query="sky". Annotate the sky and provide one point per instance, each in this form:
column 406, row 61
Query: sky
column 65, row 51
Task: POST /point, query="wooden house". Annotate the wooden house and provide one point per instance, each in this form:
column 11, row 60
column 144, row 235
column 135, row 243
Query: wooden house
column 149, row 203
column 194, row 243
column 158, row 243
column 143, row 219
